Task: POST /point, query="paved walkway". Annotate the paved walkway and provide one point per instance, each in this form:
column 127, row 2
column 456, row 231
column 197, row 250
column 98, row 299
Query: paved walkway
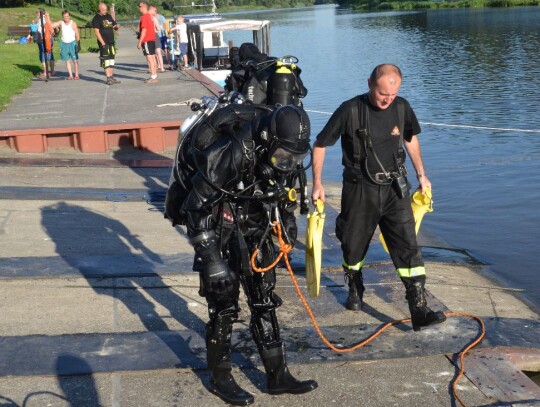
column 89, row 101
column 99, row 306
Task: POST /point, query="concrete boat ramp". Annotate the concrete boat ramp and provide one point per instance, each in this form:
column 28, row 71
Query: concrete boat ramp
column 99, row 306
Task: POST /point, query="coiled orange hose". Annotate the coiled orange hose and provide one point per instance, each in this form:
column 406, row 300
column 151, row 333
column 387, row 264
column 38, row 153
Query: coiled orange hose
column 283, row 253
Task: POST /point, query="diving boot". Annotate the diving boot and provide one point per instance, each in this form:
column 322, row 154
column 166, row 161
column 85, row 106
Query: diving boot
column 421, row 314
column 279, row 379
column 223, row 385
column 218, row 355
column 356, row 290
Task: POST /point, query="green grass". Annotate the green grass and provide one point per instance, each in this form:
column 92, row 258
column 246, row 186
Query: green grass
column 24, row 58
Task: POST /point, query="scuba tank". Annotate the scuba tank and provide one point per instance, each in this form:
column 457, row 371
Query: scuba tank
column 281, row 89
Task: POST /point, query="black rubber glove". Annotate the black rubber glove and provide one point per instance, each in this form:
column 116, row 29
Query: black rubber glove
column 216, row 274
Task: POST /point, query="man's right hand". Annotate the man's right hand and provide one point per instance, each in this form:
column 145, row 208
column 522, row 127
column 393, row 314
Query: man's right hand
column 219, row 278
column 317, row 193
column 216, row 274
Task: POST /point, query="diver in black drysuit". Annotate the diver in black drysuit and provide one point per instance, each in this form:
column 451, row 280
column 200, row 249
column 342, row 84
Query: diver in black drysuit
column 249, row 152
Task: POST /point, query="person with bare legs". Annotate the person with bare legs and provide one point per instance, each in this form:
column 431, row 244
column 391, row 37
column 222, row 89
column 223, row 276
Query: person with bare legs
column 69, row 47
column 147, row 40
column 160, row 31
column 182, row 40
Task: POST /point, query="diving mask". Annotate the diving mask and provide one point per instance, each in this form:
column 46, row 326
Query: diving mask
column 285, row 161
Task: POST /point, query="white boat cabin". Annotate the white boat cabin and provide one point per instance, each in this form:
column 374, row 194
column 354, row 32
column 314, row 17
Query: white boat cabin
column 207, row 48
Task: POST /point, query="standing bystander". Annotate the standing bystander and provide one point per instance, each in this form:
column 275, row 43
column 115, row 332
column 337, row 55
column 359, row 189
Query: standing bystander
column 147, row 40
column 104, row 26
column 45, row 41
column 160, row 31
column 69, row 47
column 182, row 41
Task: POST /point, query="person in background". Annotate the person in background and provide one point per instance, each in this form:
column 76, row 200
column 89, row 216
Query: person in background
column 180, row 30
column 104, row 26
column 45, row 42
column 374, row 127
column 70, row 45
column 160, row 31
column 164, row 39
column 147, row 40
column 33, row 28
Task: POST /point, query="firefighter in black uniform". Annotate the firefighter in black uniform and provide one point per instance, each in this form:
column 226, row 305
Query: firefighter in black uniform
column 236, row 175
column 375, row 129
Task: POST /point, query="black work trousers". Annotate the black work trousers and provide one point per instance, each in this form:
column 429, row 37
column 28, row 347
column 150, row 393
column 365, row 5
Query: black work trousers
column 364, row 205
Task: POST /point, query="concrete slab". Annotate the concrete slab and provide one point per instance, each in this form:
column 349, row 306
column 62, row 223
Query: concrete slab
column 89, row 101
column 410, row 382
column 93, row 279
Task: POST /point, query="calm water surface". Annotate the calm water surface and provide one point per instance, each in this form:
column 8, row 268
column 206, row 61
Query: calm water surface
column 462, row 68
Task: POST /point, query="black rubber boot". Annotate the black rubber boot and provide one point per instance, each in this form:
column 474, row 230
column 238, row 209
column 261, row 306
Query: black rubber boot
column 278, row 378
column 421, row 314
column 356, row 290
column 218, row 347
column 223, row 385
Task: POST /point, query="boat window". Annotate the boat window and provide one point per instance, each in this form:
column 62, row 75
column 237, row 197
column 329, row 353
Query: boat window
column 216, row 39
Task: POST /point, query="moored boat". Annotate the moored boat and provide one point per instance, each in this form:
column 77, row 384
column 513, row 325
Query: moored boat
column 208, row 51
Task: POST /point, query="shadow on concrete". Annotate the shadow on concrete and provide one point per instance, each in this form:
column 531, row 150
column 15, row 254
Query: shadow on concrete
column 73, row 227
column 132, row 67
column 30, row 399
column 100, row 76
column 7, row 402
column 80, row 390
column 155, row 179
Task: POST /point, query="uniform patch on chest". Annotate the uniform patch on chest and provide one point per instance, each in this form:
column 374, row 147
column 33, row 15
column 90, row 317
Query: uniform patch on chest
column 395, row 131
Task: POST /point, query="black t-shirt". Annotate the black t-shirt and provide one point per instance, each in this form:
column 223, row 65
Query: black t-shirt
column 105, row 25
column 383, row 130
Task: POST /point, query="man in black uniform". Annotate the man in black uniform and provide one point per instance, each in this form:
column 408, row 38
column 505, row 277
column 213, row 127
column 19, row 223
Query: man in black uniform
column 374, row 127
column 234, row 173
column 104, row 26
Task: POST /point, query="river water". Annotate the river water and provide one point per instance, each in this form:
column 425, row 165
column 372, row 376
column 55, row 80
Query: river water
column 473, row 79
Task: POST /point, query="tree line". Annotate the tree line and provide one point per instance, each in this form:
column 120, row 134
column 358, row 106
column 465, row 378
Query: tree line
column 130, row 7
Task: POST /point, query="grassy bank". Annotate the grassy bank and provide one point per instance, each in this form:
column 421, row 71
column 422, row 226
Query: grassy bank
column 24, row 57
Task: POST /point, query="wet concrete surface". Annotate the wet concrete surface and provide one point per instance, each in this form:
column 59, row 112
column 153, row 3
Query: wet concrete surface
column 99, row 304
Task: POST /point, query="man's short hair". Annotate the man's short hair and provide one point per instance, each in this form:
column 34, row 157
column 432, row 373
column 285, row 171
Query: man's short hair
column 384, row 69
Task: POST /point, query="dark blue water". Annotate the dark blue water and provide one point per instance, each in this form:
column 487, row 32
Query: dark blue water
column 463, row 70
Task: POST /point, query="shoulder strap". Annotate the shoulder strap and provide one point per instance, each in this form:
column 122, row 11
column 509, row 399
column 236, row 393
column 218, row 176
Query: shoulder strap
column 401, row 122
column 358, row 119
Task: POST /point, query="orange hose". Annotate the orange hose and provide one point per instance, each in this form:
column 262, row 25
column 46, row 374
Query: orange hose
column 286, row 248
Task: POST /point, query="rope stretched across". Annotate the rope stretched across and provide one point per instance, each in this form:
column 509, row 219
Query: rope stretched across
column 283, row 253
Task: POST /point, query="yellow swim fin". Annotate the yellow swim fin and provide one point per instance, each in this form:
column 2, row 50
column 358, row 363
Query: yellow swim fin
column 420, row 204
column 314, row 235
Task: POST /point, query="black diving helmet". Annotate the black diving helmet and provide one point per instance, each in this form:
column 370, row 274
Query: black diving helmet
column 289, row 138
